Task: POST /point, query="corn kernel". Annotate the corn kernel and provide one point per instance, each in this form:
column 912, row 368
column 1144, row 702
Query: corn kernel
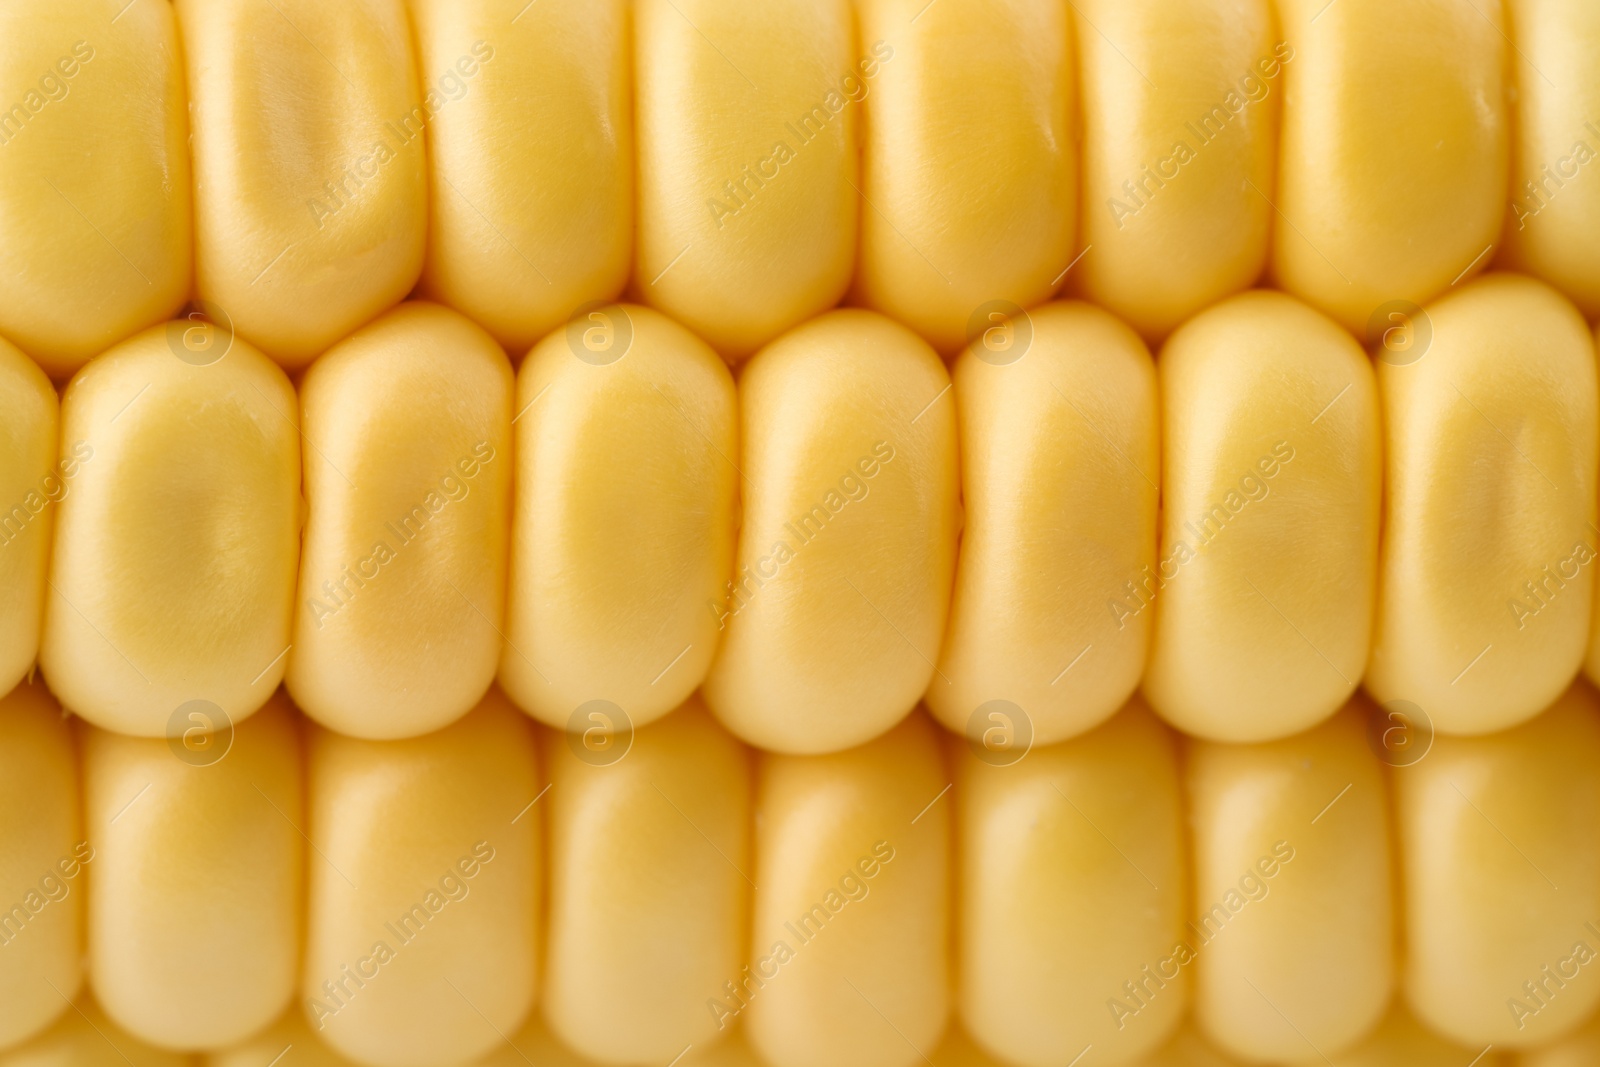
column 747, row 163
column 424, row 895
column 403, row 570
column 94, row 164
column 1482, row 622
column 1502, row 878
column 1393, row 152
column 1554, row 209
column 522, row 234
column 1058, row 408
column 1401, row 1040
column 42, row 857
column 624, row 517
column 967, row 160
column 1293, row 928
column 31, row 483
column 848, row 542
column 198, row 867
column 289, row 1042
column 849, row 944
column 310, row 173
column 649, row 846
column 1263, row 594
column 1071, row 895
column 84, row 1037
column 1580, row 1048
column 1180, row 114
column 173, row 569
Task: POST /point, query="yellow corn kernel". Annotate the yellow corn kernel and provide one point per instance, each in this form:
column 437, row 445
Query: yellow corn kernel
column 968, row 167
column 534, row 1044
column 1056, row 408
column 1393, row 151
column 1554, row 210
column 1294, row 927
column 424, row 894
column 957, row 1049
column 1482, row 622
column 523, row 233
column 1581, row 1048
column 198, row 866
column 42, row 857
column 1188, row 1049
column 173, row 569
column 32, row 480
column 1264, row 590
column 1401, row 1041
column 310, row 174
column 84, row 1037
column 848, row 543
column 1502, row 878
column 849, row 943
column 94, row 164
column 1180, row 109
column 289, row 1042
column 649, row 845
column 624, row 517
column 403, row 569
column 747, row 162
column 1072, row 888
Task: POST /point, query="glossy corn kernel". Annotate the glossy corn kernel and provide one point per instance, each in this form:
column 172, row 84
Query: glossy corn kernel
column 747, row 162
column 1581, row 1048
column 1294, row 926
column 1554, row 212
column 198, row 866
column 1072, row 888
column 84, row 1037
column 424, row 889
column 33, row 479
column 1502, row 878
column 173, row 569
column 1059, row 465
column 1263, row 592
column 848, row 543
column 521, row 235
column 1176, row 132
column 967, row 161
column 1401, row 1040
column 289, row 1042
column 94, row 176
column 42, row 857
column 1188, row 1049
column 310, row 173
column 403, row 568
column 650, row 882
column 1483, row 620
column 849, row 955
column 534, row 1044
column 1393, row 152
column 626, row 442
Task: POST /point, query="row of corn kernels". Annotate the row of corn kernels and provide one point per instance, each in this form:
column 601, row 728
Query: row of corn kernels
column 619, row 522
column 301, row 166
column 837, row 907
